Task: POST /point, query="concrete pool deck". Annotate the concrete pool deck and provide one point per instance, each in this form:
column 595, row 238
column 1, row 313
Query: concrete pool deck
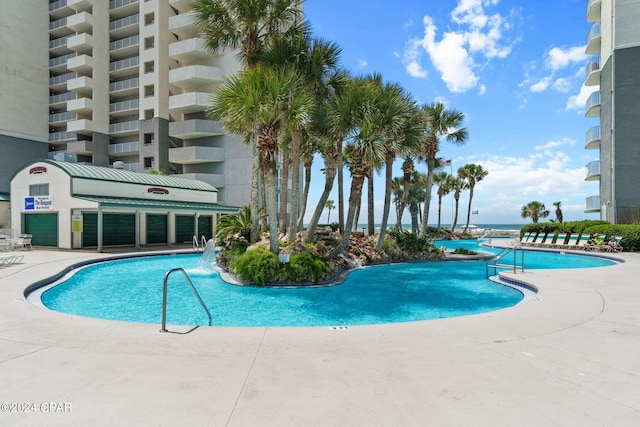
column 568, row 356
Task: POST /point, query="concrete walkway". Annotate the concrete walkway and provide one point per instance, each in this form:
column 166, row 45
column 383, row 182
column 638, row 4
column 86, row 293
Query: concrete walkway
column 568, row 357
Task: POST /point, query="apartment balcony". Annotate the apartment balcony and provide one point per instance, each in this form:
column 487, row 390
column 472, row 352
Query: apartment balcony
column 58, row 46
column 124, row 27
column 593, row 171
column 81, row 43
column 125, row 87
column 594, row 8
column 61, row 137
column 195, row 76
column 191, row 102
column 196, row 154
column 123, row 48
column 124, row 67
column 125, row 128
column 593, row 72
column 60, row 82
column 59, row 64
column 124, row 149
column 63, row 156
column 59, row 100
column 594, row 39
column 121, row 8
column 593, row 105
column 593, row 204
column 58, row 28
column 82, row 126
column 80, row 105
column 59, row 9
column 81, row 22
column 82, row 86
column 60, row 118
column 82, row 64
column 181, row 6
column 80, row 5
column 195, row 128
column 183, row 25
column 123, row 108
column 215, row 179
column 593, row 138
column 189, row 51
column 84, row 148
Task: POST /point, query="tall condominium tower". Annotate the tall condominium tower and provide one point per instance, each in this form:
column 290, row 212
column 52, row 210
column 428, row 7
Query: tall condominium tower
column 122, row 83
column 614, row 42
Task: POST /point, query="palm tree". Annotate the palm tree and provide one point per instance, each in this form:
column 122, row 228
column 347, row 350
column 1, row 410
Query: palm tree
column 558, row 211
column 534, row 210
column 442, row 123
column 457, row 185
column 246, row 26
column 258, row 102
column 329, row 205
column 473, row 174
column 444, row 182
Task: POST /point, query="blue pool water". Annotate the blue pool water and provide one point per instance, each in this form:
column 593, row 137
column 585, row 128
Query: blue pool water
column 131, row 290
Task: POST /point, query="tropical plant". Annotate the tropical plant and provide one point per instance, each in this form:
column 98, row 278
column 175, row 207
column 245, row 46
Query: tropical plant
column 256, row 267
column 473, row 174
column 444, row 182
column 329, row 205
column 304, row 266
column 559, row 217
column 442, row 123
column 534, row 210
column 229, row 225
column 457, row 185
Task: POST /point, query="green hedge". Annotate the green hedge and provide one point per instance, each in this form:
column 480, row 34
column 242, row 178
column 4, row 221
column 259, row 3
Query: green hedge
column 630, row 232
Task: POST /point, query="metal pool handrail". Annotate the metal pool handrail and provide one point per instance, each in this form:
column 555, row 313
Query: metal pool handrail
column 164, row 297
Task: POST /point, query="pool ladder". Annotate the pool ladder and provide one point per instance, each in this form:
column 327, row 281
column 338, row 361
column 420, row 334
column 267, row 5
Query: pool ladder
column 164, row 297
column 500, row 260
column 196, row 243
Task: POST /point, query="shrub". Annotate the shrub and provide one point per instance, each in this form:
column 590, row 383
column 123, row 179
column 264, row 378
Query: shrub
column 256, row 267
column 463, row 251
column 304, row 267
column 411, row 243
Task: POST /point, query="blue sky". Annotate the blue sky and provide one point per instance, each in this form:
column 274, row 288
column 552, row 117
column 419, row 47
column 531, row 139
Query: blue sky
column 516, row 69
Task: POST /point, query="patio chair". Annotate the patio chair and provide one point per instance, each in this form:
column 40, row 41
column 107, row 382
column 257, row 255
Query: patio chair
column 525, row 239
column 24, row 242
column 5, row 244
column 539, row 241
column 583, row 243
column 559, row 242
column 573, row 241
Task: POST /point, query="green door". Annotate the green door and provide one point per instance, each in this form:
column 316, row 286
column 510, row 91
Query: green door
column 43, row 227
column 184, row 228
column 118, row 229
column 89, row 229
column 204, row 227
column 156, row 229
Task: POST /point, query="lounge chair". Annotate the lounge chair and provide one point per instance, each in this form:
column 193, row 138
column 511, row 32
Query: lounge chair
column 525, row 239
column 24, row 242
column 559, row 242
column 5, row 244
column 573, row 241
column 583, row 243
column 10, row 260
column 539, row 241
column 617, row 247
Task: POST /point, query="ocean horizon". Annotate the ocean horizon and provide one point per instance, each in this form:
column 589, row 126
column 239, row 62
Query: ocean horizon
column 479, row 227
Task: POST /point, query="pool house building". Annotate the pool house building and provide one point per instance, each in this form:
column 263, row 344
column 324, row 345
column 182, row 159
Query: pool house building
column 72, row 206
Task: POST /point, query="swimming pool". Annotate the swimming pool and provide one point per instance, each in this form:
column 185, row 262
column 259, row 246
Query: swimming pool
column 131, row 290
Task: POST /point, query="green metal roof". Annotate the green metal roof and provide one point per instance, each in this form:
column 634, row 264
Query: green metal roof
column 4, row 197
column 157, row 204
column 102, row 173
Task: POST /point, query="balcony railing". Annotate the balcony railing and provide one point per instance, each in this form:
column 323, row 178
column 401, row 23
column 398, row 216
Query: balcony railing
column 594, row 9
column 62, row 97
column 114, row 4
column 124, row 127
column 131, row 104
column 57, row 5
column 593, row 171
column 60, row 60
column 53, row 81
column 593, row 138
column 593, row 204
column 124, row 148
column 61, row 136
column 124, row 63
column 593, row 105
column 124, row 84
column 61, row 117
column 124, row 22
column 593, row 72
column 123, row 43
column 57, row 23
column 593, row 39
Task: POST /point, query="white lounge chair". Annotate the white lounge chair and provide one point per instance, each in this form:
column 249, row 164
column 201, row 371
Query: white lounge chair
column 5, row 244
column 583, row 242
column 559, row 242
column 573, row 241
column 24, row 242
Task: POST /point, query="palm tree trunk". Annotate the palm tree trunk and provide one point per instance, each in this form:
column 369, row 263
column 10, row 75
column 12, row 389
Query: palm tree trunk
column 370, row 215
column 272, row 206
column 284, row 192
column 308, row 162
column 255, row 195
column 388, row 179
column 340, row 187
column 455, row 216
column 330, row 174
column 427, row 196
column 295, row 185
column 466, row 227
column 354, row 198
column 439, row 211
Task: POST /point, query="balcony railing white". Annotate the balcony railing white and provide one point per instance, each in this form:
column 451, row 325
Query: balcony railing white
column 124, row 63
column 61, row 117
column 62, row 97
column 123, row 105
column 57, row 23
column 57, row 5
column 593, row 171
column 61, row 78
column 593, row 138
column 54, row 62
column 593, row 204
column 126, row 42
column 593, row 105
column 124, row 127
column 124, row 147
column 124, row 22
column 114, row 4
column 124, row 84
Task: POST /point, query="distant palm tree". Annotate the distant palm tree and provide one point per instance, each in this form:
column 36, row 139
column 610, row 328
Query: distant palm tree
column 473, row 174
column 444, row 181
column 329, row 205
column 558, row 211
column 534, row 210
column 457, row 185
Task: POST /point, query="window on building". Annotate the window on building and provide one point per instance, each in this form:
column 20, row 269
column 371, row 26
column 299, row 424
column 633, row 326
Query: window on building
column 148, row 114
column 39, row 190
column 148, row 138
column 149, row 162
column 149, row 19
column 148, row 43
column 149, row 67
column 148, row 91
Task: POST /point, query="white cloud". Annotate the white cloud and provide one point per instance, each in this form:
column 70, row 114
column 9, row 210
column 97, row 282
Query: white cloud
column 577, row 102
column 558, row 58
column 362, row 63
column 456, row 54
column 541, row 85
